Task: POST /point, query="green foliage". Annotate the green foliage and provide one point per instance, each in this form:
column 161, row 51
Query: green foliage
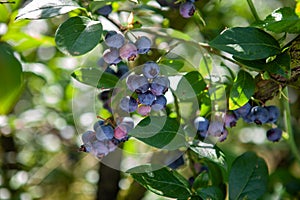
column 248, row 177
column 78, row 35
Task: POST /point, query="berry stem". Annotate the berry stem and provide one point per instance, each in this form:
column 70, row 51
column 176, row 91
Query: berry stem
column 253, row 10
column 288, row 124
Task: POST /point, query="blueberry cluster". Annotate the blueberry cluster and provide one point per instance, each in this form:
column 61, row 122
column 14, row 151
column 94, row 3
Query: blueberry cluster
column 256, row 114
column 105, row 138
column 122, row 49
column 187, row 9
column 149, row 89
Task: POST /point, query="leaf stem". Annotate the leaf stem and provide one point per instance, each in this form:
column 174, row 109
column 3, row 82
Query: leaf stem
column 177, row 109
column 288, row 124
column 253, row 10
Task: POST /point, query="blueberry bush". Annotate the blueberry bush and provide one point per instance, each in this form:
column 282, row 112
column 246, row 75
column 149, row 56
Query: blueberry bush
column 150, row 99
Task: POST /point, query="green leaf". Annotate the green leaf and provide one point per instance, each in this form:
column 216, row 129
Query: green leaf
column 242, row 90
column 282, row 20
column 42, row 9
column 174, row 64
column 190, row 86
column 164, row 181
column 247, row 43
column 212, row 192
column 11, row 79
column 280, row 65
column 248, row 177
column 159, row 132
column 209, row 152
column 95, row 77
column 78, row 35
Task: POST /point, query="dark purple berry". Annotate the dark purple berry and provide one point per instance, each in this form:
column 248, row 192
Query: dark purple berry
column 105, row 10
column 273, row 113
column 259, row 115
column 187, row 9
column 242, row 111
column 151, row 69
column 159, row 85
column 274, row 134
column 114, row 39
column 128, row 104
column 104, row 95
column 111, row 56
column 159, row 103
column 201, row 124
column 146, row 98
column 143, row 44
column 128, row 52
column 177, row 163
column 137, row 83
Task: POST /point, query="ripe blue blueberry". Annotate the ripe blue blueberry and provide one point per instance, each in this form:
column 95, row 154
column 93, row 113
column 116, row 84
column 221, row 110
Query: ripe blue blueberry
column 273, row 113
column 105, row 10
column 104, row 132
column 137, row 83
column 242, row 111
column 159, row 85
column 128, row 104
column 151, row 69
column 159, row 103
column 259, row 115
column 98, row 124
column 216, row 128
column 274, row 134
column 143, row 44
column 128, row 52
column 146, row 98
column 187, row 9
column 88, row 137
column 111, row 56
column 230, row 120
column 201, row 124
column 114, row 39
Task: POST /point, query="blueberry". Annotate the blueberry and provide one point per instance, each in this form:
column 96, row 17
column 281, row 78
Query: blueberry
column 177, row 163
column 137, row 83
column 114, row 39
column 110, row 70
column 88, row 137
column 146, row 98
column 216, row 128
column 128, row 123
column 98, row 124
column 128, row 104
column 273, row 113
column 120, row 132
column 122, row 70
column 150, row 69
column 187, row 9
column 100, row 149
column 159, row 85
column 143, row 44
column 105, row 10
column 242, row 111
column 201, row 124
column 104, row 132
column 111, row 56
column 128, row 52
column 104, row 95
column 230, row 120
column 159, row 103
column 259, row 115
column 144, row 110
column 224, row 135
column 274, row 134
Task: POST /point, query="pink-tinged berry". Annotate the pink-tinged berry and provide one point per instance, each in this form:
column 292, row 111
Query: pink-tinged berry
column 128, row 52
column 144, row 110
column 120, row 132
